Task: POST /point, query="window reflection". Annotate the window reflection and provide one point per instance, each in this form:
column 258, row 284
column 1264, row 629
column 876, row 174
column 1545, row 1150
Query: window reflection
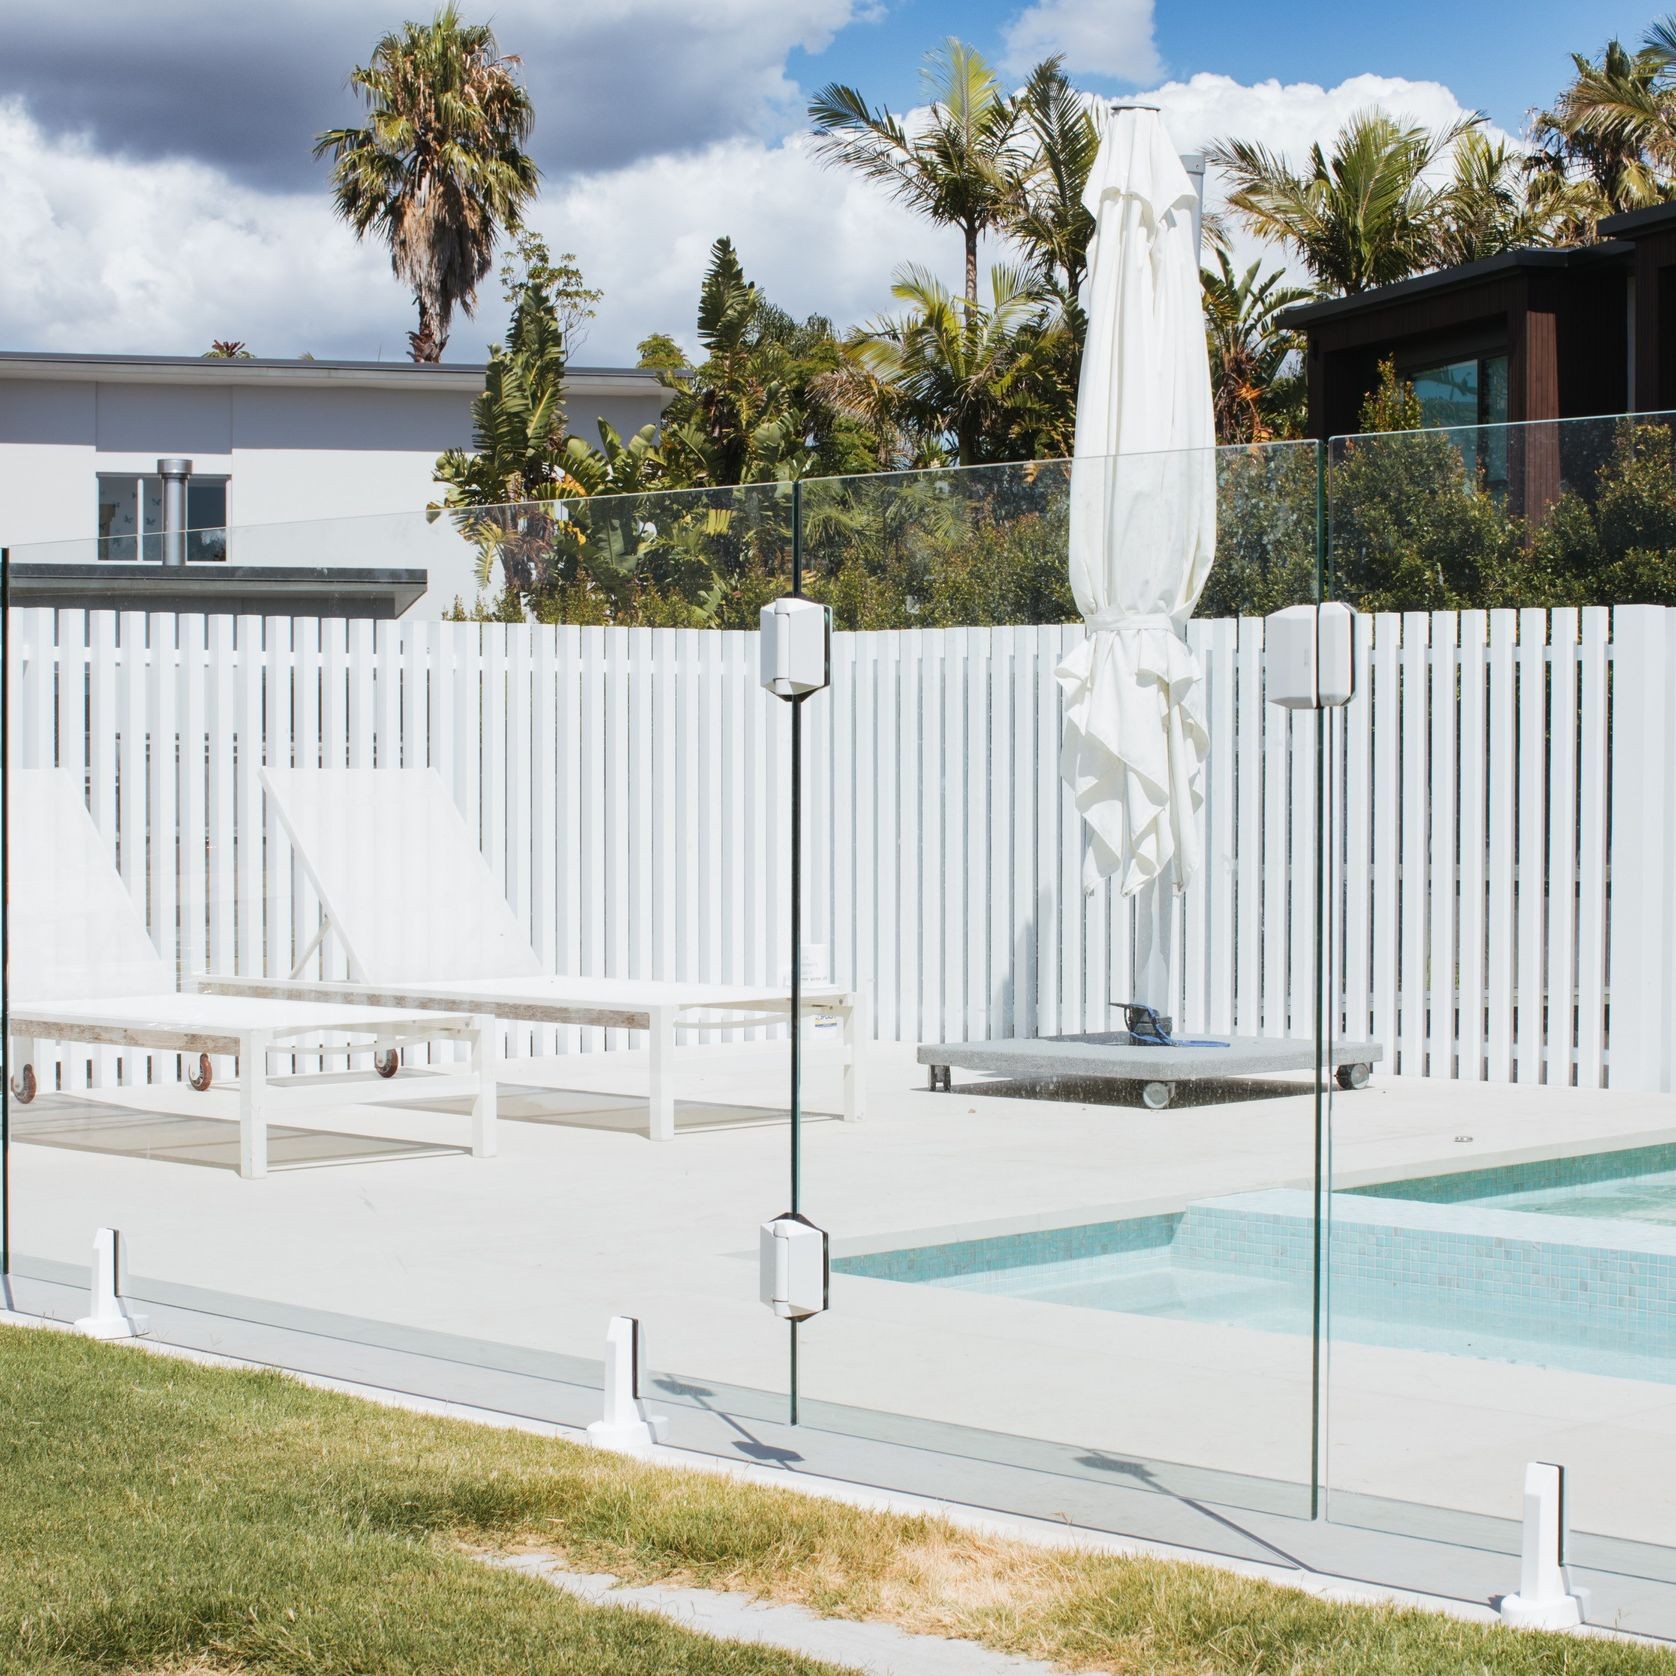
column 131, row 518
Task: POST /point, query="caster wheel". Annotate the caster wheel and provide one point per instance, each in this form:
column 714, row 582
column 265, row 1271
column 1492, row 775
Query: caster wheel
column 1156, row 1095
column 1353, row 1076
column 940, row 1078
column 23, row 1086
column 387, row 1062
column 203, row 1076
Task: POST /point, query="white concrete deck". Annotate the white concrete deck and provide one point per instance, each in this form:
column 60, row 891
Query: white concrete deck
column 579, row 1219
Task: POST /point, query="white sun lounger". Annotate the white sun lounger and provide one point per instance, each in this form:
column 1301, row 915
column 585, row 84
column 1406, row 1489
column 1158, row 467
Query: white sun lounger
column 84, row 969
column 422, row 923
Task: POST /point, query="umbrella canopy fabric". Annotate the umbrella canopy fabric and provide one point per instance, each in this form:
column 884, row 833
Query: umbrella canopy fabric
column 1143, row 516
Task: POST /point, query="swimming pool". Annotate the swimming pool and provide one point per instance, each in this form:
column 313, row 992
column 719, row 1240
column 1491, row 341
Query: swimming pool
column 1471, row 1264
column 1635, row 1184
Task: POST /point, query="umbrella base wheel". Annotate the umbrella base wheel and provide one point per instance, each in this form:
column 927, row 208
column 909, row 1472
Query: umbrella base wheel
column 941, row 1078
column 1353, row 1076
column 1156, row 1096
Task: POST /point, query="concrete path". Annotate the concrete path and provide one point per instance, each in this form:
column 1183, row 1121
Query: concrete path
column 876, row 1649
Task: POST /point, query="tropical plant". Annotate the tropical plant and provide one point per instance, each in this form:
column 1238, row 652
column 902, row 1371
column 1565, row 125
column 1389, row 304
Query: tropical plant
column 1256, row 385
column 1495, row 200
column 1368, row 214
column 227, row 349
column 500, row 492
column 1046, row 217
column 439, row 169
column 753, row 410
column 958, row 167
column 968, row 376
column 1614, row 125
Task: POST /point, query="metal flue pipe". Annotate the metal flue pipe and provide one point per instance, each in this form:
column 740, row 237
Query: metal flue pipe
column 174, row 474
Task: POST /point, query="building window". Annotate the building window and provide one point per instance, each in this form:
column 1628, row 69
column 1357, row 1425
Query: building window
column 1469, row 393
column 131, row 517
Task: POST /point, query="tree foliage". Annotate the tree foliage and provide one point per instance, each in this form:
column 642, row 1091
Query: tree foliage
column 439, row 169
column 957, row 167
column 1256, row 385
column 1613, row 126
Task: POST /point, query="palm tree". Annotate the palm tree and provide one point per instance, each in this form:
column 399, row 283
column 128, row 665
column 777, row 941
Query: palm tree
column 961, row 372
column 439, row 169
column 1047, row 217
column 956, row 169
column 1256, row 391
column 1365, row 216
column 1495, row 201
column 1615, row 125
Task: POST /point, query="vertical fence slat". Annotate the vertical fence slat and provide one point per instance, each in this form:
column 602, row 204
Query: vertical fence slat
column 1472, row 780
column 1530, row 873
column 1442, row 867
column 1356, row 868
column 1276, row 921
column 1592, row 757
column 1561, row 871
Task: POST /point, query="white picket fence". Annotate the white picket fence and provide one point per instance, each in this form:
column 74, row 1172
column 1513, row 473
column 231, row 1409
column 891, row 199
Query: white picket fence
column 1502, row 902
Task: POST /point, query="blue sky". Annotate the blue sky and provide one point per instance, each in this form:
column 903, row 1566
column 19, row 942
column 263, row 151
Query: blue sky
column 1497, row 57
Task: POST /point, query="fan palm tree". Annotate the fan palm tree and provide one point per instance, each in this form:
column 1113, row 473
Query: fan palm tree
column 1615, row 124
column 439, row 170
column 1255, row 391
column 956, row 168
column 1365, row 216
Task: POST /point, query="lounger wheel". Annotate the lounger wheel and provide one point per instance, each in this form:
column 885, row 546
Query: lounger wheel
column 23, row 1085
column 203, row 1076
column 1157, row 1095
column 387, row 1061
column 1353, row 1076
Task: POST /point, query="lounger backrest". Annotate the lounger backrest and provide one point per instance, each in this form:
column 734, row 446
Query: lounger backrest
column 400, row 875
column 75, row 932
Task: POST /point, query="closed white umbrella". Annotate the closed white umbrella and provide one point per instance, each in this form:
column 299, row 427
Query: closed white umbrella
column 1143, row 517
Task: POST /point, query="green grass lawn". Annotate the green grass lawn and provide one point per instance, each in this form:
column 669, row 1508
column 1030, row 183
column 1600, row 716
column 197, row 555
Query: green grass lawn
column 157, row 1516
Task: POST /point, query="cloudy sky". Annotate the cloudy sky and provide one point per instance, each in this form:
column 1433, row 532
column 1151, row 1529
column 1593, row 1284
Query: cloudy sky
column 157, row 188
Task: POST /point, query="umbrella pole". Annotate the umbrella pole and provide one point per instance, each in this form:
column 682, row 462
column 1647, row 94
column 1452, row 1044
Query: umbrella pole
column 1154, row 929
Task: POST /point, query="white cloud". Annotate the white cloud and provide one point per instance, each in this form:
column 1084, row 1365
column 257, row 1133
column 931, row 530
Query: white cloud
column 817, row 240
column 110, row 254
column 1110, row 38
column 1289, row 117
column 117, row 254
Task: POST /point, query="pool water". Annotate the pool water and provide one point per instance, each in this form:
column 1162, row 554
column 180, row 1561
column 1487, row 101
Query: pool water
column 1151, row 1283
column 1632, row 1184
column 1470, row 1264
column 1638, row 1198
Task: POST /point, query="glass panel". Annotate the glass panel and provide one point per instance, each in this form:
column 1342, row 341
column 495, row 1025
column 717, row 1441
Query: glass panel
column 1502, row 1239
column 206, row 520
column 118, row 517
column 1084, row 1304
column 151, row 500
column 335, row 774
column 1448, row 396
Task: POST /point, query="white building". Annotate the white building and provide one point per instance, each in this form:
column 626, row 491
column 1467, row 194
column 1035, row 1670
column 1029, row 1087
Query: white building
column 272, row 443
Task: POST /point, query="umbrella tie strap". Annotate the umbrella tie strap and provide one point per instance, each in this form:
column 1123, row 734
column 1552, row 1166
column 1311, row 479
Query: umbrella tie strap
column 1115, row 620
